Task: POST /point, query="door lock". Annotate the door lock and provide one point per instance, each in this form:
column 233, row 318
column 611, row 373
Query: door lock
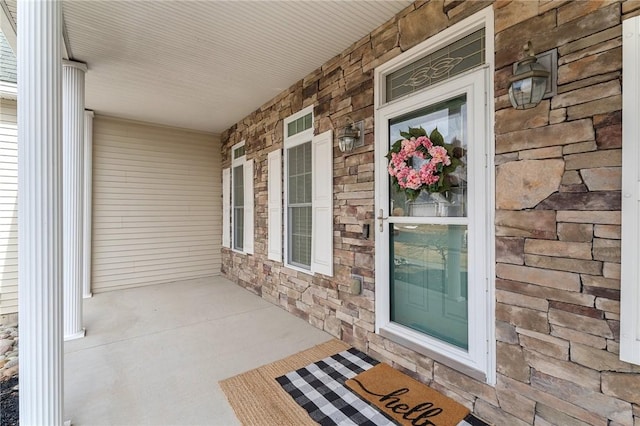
column 381, row 218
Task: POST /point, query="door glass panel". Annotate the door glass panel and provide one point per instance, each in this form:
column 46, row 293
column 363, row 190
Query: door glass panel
column 450, row 118
column 429, row 277
column 428, row 261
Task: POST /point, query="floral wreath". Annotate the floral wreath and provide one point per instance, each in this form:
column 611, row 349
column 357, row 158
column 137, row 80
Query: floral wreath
column 422, row 163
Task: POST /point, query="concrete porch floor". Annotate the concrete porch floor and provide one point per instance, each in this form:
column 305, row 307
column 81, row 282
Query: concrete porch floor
column 154, row 355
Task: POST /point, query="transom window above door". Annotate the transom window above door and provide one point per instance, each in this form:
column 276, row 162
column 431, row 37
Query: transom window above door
column 453, row 59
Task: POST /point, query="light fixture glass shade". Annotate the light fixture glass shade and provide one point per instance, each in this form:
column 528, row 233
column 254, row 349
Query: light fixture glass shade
column 347, row 138
column 528, row 84
column 346, row 143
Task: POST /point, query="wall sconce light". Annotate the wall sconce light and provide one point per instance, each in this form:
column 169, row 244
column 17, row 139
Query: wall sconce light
column 529, row 81
column 351, row 136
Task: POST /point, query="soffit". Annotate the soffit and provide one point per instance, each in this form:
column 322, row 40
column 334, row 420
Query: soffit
column 207, row 64
column 7, row 61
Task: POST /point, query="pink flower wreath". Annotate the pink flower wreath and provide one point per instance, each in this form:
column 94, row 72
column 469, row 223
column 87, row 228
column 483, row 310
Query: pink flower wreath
column 430, row 174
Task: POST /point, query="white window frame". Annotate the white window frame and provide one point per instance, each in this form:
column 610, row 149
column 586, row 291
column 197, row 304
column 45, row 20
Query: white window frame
column 247, row 170
column 321, row 195
column 236, row 162
column 630, row 267
column 291, row 142
column 479, row 362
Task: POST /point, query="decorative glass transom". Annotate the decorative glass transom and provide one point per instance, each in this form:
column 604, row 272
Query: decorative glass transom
column 456, row 58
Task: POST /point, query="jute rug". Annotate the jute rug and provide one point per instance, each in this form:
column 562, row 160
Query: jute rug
column 258, row 399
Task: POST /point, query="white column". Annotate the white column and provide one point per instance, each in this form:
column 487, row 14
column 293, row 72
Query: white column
column 39, row 213
column 86, row 219
column 72, row 191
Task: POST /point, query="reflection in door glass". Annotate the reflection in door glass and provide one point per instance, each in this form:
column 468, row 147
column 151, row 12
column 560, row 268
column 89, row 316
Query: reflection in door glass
column 450, row 118
column 429, row 277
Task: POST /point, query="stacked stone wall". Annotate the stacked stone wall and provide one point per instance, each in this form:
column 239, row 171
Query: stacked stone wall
column 558, row 179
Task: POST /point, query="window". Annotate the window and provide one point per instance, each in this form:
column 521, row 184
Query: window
column 298, row 202
column 238, row 207
column 434, row 254
column 299, row 205
column 630, row 273
column 237, row 200
column 308, row 197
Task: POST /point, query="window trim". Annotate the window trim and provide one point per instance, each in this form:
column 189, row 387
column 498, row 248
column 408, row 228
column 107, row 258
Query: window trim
column 240, row 160
column 292, row 142
column 236, row 162
column 487, row 370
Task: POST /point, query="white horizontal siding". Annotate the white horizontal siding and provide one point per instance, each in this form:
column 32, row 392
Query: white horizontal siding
column 156, row 204
column 8, row 208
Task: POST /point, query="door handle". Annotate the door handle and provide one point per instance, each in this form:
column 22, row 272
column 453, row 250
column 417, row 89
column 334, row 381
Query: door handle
column 381, row 218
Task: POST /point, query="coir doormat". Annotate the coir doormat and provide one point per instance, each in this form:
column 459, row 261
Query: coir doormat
column 407, row 401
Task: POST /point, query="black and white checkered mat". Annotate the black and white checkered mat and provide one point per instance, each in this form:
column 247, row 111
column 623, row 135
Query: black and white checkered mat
column 319, row 388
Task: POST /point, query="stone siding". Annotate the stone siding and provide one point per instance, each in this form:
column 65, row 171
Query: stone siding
column 558, row 177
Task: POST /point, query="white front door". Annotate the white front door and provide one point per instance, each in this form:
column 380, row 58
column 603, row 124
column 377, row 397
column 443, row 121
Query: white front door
column 431, row 253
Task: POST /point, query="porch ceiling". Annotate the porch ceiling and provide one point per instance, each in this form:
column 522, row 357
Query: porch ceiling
column 206, row 64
